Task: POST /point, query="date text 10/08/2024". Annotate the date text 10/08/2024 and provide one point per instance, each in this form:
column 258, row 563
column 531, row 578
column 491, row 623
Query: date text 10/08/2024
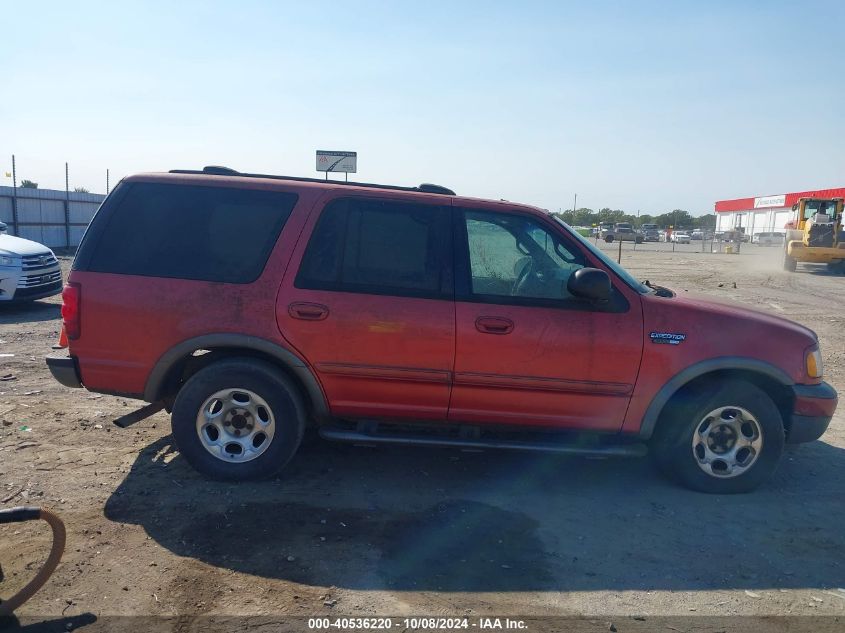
column 423, row 623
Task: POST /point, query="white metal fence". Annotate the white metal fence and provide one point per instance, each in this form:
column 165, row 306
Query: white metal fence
column 54, row 218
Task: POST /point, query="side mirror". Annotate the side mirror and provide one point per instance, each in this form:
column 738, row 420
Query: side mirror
column 589, row 283
column 795, row 207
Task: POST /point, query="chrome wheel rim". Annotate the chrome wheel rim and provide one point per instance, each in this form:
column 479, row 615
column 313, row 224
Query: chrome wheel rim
column 235, row 425
column 727, row 442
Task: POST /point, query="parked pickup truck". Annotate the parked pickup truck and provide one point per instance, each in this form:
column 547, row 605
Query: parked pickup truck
column 650, row 232
column 409, row 315
column 624, row 232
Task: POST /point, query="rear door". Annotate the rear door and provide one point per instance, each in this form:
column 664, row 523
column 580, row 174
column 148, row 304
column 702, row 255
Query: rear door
column 371, row 307
column 528, row 352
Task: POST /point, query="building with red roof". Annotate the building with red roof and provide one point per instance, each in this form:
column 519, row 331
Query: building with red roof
column 765, row 213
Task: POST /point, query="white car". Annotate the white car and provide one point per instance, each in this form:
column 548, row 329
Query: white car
column 28, row 270
column 768, row 239
column 3, row 228
column 681, row 238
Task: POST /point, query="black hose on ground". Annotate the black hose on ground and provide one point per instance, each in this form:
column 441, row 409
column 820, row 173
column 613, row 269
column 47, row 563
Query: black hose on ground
column 19, row 515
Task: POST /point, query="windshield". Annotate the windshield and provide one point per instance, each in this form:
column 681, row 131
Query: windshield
column 812, row 207
column 616, row 268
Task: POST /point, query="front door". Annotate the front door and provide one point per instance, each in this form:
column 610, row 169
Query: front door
column 371, row 306
column 527, row 351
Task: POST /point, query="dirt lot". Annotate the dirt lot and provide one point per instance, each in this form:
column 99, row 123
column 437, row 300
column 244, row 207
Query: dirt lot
column 356, row 531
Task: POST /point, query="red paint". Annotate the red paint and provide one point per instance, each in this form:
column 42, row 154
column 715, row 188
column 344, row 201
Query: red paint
column 815, row 407
column 747, row 204
column 424, row 359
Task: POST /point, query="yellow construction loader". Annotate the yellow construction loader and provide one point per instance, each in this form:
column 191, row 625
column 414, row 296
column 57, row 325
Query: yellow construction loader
column 815, row 234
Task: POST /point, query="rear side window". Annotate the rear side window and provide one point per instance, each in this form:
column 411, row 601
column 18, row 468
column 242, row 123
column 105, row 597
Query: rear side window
column 378, row 247
column 186, row 232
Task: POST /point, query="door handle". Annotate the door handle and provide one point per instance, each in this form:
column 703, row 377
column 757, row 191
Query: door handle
column 494, row 325
column 308, row 311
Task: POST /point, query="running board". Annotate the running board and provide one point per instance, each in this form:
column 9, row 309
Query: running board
column 141, row 414
column 610, row 450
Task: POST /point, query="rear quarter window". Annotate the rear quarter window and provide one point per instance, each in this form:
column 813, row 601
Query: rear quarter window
column 218, row 234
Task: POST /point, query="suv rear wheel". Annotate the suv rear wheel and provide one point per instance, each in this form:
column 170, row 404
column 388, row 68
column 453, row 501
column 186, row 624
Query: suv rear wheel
column 238, row 419
column 726, row 440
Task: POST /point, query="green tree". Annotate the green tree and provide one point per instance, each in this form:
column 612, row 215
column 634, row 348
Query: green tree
column 706, row 221
column 80, row 190
column 608, row 215
column 28, row 184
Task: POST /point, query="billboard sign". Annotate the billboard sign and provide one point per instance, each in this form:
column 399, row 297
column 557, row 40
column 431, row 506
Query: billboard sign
column 337, row 161
column 770, row 201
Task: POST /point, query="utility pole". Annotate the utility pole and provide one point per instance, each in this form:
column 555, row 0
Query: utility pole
column 15, row 198
column 67, row 207
column 107, row 182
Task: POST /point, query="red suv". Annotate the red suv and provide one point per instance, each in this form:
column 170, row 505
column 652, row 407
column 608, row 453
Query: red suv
column 253, row 307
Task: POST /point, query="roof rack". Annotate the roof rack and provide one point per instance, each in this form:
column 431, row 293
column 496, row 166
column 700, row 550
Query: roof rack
column 217, row 170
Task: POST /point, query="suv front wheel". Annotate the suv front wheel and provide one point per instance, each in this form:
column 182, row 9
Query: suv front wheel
column 726, row 440
column 238, row 419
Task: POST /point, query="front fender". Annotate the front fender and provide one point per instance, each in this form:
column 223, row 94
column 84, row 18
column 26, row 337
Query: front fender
column 665, row 393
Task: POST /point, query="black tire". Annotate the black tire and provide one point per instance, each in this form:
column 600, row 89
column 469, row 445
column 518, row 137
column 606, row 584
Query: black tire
column 639, row 240
column 672, row 444
column 789, row 264
column 286, row 411
column 608, row 239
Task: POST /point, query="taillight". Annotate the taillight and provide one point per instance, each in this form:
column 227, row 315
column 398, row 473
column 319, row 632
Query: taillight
column 71, row 299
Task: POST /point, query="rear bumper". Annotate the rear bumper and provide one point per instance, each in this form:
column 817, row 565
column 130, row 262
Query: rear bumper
column 65, row 370
column 814, row 407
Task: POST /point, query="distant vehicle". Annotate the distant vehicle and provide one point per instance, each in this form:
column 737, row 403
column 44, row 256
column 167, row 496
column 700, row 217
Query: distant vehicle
column 28, row 270
column 3, row 228
column 697, row 235
column 733, row 235
column 650, row 233
column 681, row 238
column 768, row 239
column 815, row 234
column 623, row 232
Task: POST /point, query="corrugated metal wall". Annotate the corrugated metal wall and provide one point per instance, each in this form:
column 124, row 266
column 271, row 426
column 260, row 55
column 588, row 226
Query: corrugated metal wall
column 53, row 218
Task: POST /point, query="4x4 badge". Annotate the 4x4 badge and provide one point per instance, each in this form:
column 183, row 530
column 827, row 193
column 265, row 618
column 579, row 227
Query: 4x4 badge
column 667, row 338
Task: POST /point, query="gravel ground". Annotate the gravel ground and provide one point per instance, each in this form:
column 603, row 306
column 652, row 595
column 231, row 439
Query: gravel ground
column 356, row 531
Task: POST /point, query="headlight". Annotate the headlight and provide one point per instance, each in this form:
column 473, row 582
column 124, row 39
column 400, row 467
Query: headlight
column 814, row 363
column 5, row 260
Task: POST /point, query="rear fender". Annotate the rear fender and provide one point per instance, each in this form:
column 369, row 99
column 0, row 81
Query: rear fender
column 158, row 378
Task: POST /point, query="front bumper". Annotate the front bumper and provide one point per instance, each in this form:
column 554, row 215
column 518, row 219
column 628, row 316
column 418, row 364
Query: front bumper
column 32, row 293
column 65, row 370
column 814, row 406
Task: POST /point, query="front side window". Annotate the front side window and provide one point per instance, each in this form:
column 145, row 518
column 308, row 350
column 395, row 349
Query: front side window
column 515, row 256
column 379, row 247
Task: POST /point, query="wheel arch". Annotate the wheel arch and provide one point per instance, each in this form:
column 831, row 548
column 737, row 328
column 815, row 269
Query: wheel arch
column 183, row 360
column 771, row 379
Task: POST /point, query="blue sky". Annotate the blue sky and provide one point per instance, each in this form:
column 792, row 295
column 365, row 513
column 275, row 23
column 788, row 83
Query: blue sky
column 639, row 106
